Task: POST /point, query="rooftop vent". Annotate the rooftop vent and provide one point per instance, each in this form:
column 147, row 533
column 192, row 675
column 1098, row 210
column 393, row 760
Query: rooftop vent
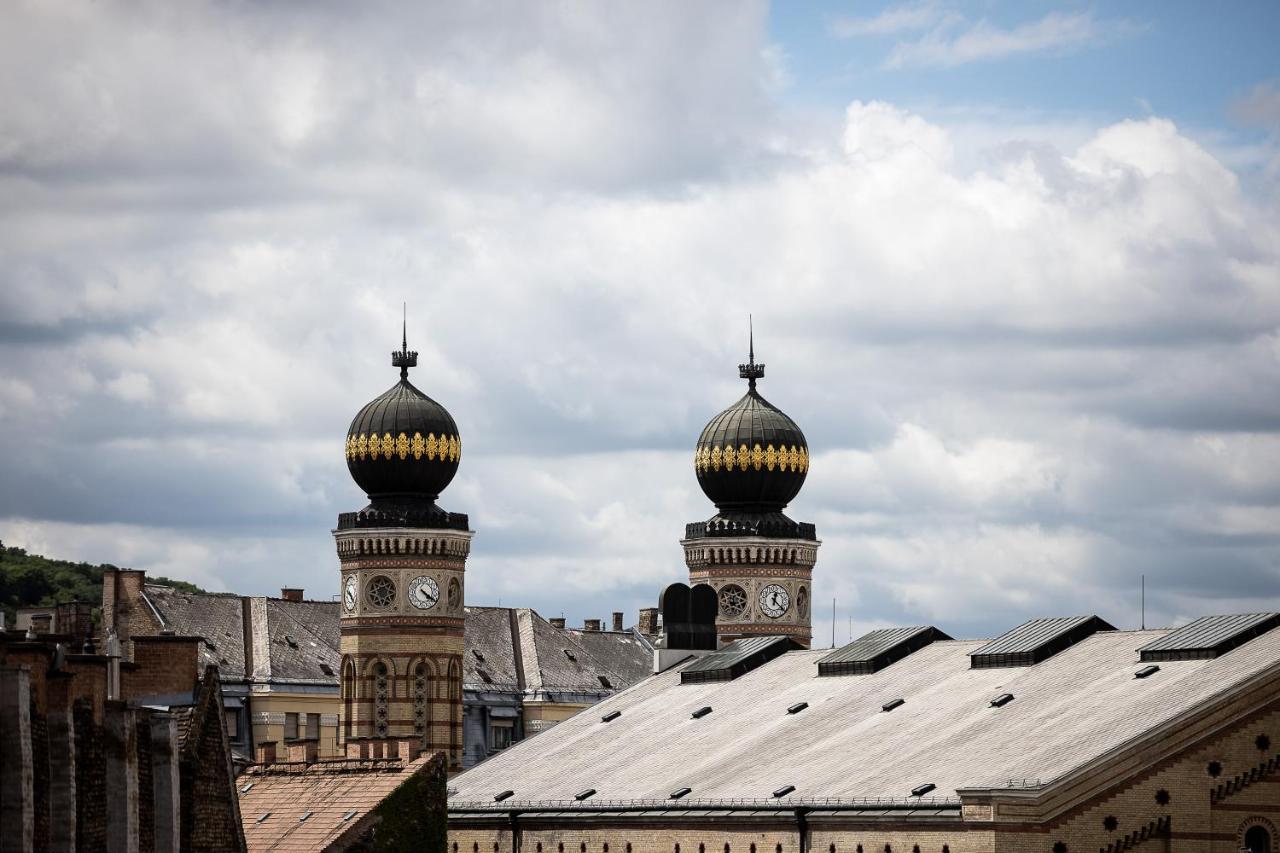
column 1209, row 637
column 305, row 815
column 349, row 815
column 874, row 651
column 569, row 655
column 701, row 712
column 797, row 708
column 246, row 788
column 1002, row 700
column 503, row 795
column 289, row 638
column 484, row 676
column 1147, row 671
column 921, row 790
column 892, row 703
column 737, row 658
column 582, row 795
column 265, row 815
column 1037, row 640
column 679, row 792
column 479, row 656
column 611, row 716
column 325, row 668
column 784, row 790
column 604, row 682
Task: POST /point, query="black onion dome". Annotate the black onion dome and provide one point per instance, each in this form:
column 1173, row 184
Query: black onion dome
column 403, row 447
column 751, row 458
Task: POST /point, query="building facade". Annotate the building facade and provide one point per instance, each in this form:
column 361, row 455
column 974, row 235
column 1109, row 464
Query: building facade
column 751, row 460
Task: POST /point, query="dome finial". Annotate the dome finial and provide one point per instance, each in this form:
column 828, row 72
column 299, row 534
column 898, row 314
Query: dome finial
column 751, row 371
column 404, row 359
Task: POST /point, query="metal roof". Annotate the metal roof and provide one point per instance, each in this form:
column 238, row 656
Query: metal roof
column 1036, row 640
column 1073, row 708
column 874, row 651
column 738, row 657
column 1209, row 636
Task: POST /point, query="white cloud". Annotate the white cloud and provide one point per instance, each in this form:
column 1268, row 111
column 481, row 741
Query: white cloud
column 1033, row 360
column 958, row 43
column 891, row 20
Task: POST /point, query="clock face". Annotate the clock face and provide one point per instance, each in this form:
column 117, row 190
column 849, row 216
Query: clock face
column 349, row 594
column 774, row 601
column 424, row 592
column 455, row 594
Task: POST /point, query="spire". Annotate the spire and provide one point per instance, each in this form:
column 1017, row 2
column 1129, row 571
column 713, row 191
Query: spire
column 404, row 359
column 751, row 371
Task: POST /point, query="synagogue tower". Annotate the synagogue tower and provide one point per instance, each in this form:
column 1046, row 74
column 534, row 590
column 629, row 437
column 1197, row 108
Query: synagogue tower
column 751, row 461
column 402, row 574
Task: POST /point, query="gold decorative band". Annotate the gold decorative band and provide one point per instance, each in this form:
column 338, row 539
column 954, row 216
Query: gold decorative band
column 446, row 448
column 742, row 457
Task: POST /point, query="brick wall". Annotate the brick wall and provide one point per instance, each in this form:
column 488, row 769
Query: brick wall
column 162, row 665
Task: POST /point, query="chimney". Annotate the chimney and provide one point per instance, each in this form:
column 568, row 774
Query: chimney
column 617, row 620
column 591, row 624
column 267, row 752
column 649, row 621
column 291, row 593
column 557, row 622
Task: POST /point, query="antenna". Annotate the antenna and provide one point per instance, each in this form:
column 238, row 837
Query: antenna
column 1144, row 602
column 833, row 621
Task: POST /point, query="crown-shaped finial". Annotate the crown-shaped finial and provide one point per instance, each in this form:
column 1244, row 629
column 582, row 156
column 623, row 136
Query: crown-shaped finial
column 405, row 358
column 751, row 371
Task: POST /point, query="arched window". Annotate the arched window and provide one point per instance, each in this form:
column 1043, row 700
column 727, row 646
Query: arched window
column 380, row 690
column 455, row 708
column 1257, row 840
column 348, row 696
column 421, row 699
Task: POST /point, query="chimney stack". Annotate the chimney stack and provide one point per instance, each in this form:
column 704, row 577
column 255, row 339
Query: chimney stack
column 557, row 622
column 617, row 620
column 591, row 624
column 649, row 621
column 290, row 593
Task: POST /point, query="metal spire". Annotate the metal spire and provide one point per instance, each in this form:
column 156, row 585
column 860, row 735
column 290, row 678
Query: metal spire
column 405, row 358
column 751, row 371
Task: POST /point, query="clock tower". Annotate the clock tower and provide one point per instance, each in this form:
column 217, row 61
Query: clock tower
column 402, row 561
column 751, row 461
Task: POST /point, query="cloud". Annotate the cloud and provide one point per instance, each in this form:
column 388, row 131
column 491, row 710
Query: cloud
column 891, row 20
column 956, row 43
column 1032, row 362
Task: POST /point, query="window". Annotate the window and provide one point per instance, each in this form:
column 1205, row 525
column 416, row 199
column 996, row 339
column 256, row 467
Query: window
column 313, row 726
column 232, row 718
column 290, row 726
column 421, row 685
column 502, row 733
column 380, row 722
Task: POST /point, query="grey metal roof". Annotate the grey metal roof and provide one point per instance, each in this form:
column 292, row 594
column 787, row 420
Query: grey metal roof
column 738, row 657
column 875, row 650
column 1210, row 636
column 1079, row 705
column 1035, row 640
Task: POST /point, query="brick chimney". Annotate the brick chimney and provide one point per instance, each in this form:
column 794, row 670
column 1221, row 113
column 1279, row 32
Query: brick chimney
column 617, row 620
column 591, row 624
column 649, row 621
column 291, row 593
column 557, row 622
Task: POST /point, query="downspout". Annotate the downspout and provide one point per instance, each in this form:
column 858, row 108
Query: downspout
column 515, row 832
column 802, row 828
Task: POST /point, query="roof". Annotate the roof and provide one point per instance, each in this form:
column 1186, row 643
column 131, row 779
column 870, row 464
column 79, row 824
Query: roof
column 1210, row 636
column 327, row 792
column 736, row 658
column 292, row 640
column 877, row 649
column 1071, row 709
column 515, row 649
column 1035, row 640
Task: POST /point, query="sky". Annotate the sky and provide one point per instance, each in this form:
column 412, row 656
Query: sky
column 1014, row 269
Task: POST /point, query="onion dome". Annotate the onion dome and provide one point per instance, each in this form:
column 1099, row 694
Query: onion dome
column 403, row 449
column 751, row 458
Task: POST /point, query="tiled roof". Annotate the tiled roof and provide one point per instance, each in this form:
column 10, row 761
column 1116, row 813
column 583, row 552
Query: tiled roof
column 325, row 792
column 489, row 660
column 217, row 618
column 1068, row 710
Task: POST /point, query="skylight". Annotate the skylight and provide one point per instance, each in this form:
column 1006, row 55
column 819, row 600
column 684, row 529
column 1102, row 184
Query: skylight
column 582, row 795
column 679, row 792
column 701, row 712
column 737, row 658
column 784, row 790
column 874, row 651
column 892, row 703
column 611, row 716
column 1036, row 640
column 1209, row 637
column 503, row 795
